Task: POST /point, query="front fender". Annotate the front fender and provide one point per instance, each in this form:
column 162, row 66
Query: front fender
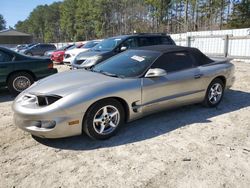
column 80, row 100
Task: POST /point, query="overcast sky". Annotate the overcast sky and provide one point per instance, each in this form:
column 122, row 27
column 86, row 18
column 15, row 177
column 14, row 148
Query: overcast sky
column 15, row 10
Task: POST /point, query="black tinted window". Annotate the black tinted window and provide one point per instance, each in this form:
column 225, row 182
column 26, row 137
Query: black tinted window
column 166, row 41
column 36, row 47
column 4, row 57
column 172, row 62
column 149, row 41
column 130, row 43
column 47, row 46
column 202, row 59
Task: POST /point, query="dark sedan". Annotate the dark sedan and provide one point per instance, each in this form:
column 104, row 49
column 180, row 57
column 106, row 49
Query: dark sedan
column 38, row 49
column 18, row 71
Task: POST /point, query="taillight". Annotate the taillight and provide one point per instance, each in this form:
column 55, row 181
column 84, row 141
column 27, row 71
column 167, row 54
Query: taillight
column 50, row 66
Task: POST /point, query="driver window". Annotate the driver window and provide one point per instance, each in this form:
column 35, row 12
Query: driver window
column 172, row 62
column 36, row 47
column 129, row 43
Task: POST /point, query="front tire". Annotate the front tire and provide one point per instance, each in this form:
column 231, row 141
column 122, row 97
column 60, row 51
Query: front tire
column 214, row 94
column 19, row 81
column 103, row 119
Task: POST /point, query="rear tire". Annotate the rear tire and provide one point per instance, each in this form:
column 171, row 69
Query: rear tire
column 214, row 94
column 103, row 119
column 19, row 81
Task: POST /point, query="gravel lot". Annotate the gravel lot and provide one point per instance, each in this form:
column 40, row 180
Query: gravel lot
column 187, row 147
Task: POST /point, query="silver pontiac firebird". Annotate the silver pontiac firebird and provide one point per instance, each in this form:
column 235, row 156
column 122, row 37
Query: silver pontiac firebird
column 123, row 88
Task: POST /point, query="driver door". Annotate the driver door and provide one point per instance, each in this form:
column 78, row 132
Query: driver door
column 5, row 66
column 181, row 85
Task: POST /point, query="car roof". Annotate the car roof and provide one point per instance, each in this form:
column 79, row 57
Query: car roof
column 167, row 48
column 140, row 35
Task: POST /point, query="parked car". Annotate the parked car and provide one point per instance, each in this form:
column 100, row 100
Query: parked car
column 38, row 49
column 114, row 45
column 18, row 71
column 63, row 48
column 71, row 54
column 23, row 46
column 123, row 88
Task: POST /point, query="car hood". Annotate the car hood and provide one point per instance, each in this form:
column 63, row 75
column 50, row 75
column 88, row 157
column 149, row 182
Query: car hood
column 85, row 55
column 76, row 50
column 68, row 82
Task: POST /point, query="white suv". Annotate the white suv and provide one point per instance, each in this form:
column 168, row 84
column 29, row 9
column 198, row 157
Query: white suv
column 70, row 55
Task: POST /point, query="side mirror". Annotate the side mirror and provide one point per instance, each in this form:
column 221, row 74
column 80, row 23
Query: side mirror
column 123, row 48
column 155, row 73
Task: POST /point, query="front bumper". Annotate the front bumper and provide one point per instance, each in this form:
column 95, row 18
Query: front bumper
column 61, row 129
column 27, row 118
column 69, row 59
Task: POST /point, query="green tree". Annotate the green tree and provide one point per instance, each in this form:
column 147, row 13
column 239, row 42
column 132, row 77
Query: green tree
column 2, row 22
column 52, row 23
column 158, row 11
column 74, row 20
column 240, row 17
column 68, row 20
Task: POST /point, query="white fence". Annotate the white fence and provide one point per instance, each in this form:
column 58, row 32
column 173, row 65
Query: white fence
column 233, row 43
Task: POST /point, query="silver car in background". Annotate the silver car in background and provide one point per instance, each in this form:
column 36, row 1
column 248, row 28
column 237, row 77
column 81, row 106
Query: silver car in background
column 123, row 88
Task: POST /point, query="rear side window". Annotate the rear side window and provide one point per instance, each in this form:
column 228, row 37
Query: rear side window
column 149, row 41
column 47, row 46
column 4, row 57
column 44, row 46
column 166, row 41
column 36, row 47
column 202, row 59
column 172, row 62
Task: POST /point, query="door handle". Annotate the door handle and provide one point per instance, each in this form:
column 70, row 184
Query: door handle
column 197, row 76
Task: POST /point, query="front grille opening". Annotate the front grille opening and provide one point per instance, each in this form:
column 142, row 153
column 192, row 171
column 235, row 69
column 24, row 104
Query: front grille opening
column 44, row 124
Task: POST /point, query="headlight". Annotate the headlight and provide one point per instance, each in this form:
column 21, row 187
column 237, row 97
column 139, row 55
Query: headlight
column 89, row 62
column 57, row 55
column 40, row 100
column 47, row 100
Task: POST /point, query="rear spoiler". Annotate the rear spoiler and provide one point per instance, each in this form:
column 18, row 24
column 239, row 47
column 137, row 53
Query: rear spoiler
column 220, row 58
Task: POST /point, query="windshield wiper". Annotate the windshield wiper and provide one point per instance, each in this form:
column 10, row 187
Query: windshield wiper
column 106, row 73
column 110, row 74
column 96, row 50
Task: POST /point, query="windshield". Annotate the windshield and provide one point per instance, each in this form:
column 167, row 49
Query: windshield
column 72, row 47
column 131, row 63
column 107, row 44
column 90, row 44
column 65, row 47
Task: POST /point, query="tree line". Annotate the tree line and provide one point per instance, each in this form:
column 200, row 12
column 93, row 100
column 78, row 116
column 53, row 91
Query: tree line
column 76, row 20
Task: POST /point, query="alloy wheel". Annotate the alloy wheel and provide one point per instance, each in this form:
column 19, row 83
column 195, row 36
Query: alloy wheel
column 215, row 93
column 21, row 83
column 106, row 120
